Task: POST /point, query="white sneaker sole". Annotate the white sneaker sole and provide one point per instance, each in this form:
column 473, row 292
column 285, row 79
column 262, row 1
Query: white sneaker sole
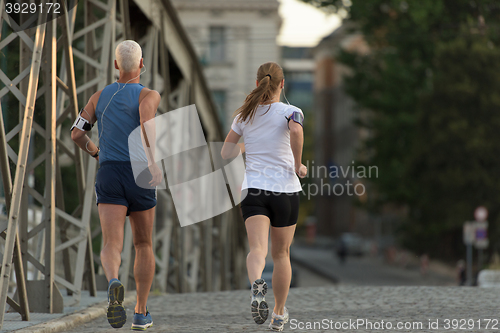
column 260, row 310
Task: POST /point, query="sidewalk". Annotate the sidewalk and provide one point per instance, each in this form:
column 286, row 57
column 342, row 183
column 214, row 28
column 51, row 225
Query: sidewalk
column 89, row 309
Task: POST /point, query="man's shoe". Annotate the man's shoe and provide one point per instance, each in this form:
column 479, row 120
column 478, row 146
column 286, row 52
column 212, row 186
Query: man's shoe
column 117, row 316
column 260, row 310
column 142, row 322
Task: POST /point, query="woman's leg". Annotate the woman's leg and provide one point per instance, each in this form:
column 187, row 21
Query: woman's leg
column 281, row 239
column 258, row 232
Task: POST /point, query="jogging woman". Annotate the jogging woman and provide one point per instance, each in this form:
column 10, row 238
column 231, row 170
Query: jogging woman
column 273, row 138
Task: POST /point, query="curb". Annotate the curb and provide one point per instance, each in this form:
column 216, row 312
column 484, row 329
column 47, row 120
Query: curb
column 74, row 319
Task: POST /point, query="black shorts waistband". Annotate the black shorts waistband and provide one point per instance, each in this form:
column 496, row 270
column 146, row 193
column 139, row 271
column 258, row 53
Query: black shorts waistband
column 256, row 191
column 115, row 163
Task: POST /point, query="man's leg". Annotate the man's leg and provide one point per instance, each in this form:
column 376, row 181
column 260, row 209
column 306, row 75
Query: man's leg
column 112, row 222
column 144, row 266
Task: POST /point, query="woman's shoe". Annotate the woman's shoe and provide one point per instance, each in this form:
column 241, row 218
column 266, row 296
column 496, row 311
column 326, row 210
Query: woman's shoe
column 260, row 310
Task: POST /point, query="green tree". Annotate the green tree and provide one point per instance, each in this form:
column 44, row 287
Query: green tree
column 456, row 155
column 427, row 77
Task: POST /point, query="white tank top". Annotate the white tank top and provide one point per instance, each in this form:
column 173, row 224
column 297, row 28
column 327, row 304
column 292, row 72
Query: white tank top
column 270, row 163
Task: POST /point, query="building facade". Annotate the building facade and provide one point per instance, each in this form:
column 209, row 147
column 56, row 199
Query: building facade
column 232, row 39
column 298, row 66
column 337, row 139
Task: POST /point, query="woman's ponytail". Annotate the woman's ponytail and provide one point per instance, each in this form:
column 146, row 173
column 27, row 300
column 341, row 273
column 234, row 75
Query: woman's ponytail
column 269, row 76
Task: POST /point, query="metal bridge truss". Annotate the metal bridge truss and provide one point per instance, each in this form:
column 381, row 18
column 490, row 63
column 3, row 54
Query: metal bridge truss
column 46, row 237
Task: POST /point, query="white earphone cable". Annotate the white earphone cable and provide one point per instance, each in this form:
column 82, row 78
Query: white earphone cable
column 99, row 135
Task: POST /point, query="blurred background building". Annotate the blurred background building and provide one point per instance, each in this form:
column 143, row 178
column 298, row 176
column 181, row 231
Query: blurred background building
column 371, row 97
column 298, row 67
column 232, row 39
column 336, row 135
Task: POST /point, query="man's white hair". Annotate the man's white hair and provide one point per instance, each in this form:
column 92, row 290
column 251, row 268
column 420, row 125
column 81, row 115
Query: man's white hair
column 128, row 55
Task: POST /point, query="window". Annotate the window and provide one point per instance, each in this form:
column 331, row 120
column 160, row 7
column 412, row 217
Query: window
column 217, row 44
column 220, row 101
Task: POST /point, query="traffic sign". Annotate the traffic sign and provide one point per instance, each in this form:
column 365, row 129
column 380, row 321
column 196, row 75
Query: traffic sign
column 481, row 241
column 476, row 233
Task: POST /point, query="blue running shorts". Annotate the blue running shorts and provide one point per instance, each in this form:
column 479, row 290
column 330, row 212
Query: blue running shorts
column 115, row 184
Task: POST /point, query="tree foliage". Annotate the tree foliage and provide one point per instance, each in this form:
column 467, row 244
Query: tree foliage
column 429, row 91
column 456, row 156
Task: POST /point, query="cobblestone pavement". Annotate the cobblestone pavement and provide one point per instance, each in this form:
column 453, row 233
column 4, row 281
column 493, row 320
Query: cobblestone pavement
column 473, row 307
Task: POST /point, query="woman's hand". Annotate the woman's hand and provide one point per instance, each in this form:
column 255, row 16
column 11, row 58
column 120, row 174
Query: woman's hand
column 301, row 171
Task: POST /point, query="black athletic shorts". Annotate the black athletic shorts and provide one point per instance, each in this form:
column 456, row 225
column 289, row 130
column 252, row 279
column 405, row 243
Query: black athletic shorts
column 281, row 208
column 115, row 184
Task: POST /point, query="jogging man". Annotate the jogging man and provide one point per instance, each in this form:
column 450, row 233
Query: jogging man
column 118, row 109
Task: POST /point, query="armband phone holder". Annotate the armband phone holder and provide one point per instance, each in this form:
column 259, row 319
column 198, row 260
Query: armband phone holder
column 82, row 123
column 296, row 117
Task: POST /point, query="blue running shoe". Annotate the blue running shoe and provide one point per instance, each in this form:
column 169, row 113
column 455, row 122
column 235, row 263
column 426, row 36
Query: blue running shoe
column 117, row 316
column 259, row 307
column 142, row 322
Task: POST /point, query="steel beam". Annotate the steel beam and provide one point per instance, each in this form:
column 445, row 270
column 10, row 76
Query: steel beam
column 7, row 186
column 21, row 165
column 50, row 69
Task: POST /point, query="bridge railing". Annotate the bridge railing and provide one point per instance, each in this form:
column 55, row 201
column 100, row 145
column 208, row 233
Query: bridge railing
column 59, row 63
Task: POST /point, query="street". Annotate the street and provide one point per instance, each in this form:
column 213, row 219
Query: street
column 415, row 307
column 364, row 271
column 363, row 291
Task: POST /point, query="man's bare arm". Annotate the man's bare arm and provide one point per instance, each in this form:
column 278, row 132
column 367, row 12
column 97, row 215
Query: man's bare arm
column 147, row 110
column 80, row 137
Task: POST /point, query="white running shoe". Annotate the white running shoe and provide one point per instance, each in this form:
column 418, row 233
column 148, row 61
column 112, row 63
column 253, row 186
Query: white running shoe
column 278, row 322
column 260, row 310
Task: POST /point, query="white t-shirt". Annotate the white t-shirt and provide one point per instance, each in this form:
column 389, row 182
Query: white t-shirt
column 269, row 158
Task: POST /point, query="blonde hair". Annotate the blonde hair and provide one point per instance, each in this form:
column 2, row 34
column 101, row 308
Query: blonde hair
column 128, row 55
column 269, row 76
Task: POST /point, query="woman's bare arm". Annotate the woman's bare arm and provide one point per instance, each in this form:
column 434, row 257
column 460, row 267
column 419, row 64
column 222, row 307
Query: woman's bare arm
column 296, row 143
column 231, row 146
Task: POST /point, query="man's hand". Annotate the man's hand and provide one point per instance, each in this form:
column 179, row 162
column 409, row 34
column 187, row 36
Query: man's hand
column 301, row 171
column 156, row 175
